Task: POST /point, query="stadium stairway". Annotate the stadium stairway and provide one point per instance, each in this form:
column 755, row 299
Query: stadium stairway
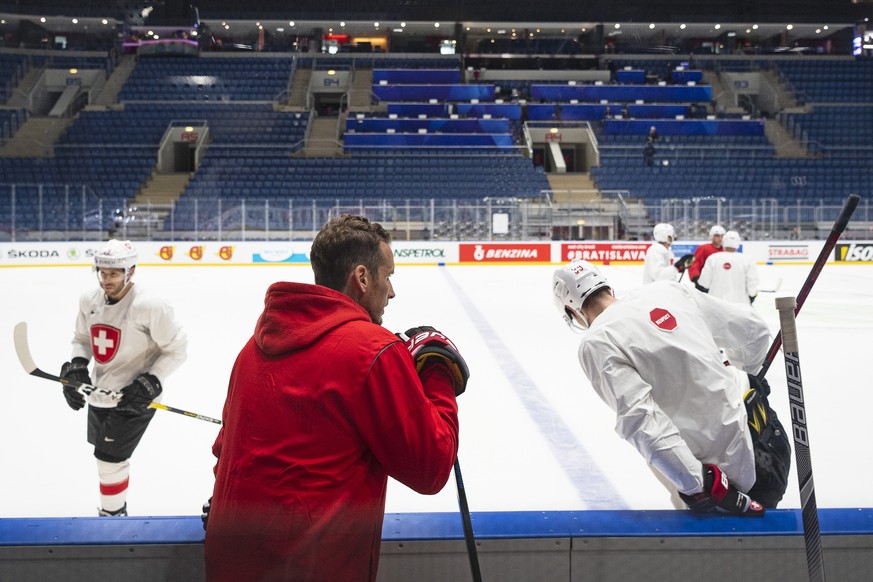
column 786, row 146
column 35, row 138
column 109, row 94
column 299, row 88
column 154, row 201
column 321, row 141
column 573, row 188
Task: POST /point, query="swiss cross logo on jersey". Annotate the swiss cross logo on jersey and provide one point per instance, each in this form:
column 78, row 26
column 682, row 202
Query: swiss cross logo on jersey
column 104, row 342
column 663, row 319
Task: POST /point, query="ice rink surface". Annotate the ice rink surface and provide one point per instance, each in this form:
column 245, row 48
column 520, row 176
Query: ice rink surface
column 534, row 435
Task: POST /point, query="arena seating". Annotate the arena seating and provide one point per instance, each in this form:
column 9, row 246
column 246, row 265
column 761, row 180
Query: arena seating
column 207, row 79
column 409, row 152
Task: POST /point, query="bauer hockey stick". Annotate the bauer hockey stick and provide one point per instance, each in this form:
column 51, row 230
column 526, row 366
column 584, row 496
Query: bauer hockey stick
column 468, row 525
column 808, row 508
column 839, row 226
column 23, row 350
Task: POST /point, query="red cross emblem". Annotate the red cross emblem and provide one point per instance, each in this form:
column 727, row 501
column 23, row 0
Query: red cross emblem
column 104, row 342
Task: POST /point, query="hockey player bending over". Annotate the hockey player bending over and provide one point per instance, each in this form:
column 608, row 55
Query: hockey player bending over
column 653, row 357
column 323, row 405
column 136, row 344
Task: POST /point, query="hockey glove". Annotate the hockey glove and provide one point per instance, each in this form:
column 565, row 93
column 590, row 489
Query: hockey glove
column 429, row 346
column 136, row 396
column 684, row 262
column 204, row 517
column 77, row 371
column 719, row 496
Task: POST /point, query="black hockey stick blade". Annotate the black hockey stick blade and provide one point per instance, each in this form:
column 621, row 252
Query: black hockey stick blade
column 22, row 348
column 839, row 226
column 472, row 554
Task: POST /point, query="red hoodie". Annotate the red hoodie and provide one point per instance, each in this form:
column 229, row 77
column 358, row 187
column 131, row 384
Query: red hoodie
column 322, row 406
column 701, row 253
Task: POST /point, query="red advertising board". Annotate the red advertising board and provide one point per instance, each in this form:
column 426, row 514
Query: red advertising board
column 505, row 253
column 606, row 252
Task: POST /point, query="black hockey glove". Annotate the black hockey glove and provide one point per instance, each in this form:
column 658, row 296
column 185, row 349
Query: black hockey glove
column 77, row 371
column 428, row 346
column 204, row 517
column 759, row 384
column 684, row 262
column 719, row 496
column 136, row 396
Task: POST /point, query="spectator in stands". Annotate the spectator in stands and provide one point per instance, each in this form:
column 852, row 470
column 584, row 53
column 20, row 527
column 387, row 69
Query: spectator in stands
column 653, row 136
column 649, row 154
column 703, row 251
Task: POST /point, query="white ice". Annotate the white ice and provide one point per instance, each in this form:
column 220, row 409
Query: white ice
column 534, row 436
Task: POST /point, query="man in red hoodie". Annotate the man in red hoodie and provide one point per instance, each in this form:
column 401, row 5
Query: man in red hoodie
column 323, row 405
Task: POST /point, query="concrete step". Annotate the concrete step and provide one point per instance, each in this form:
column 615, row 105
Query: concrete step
column 109, row 94
column 35, row 138
column 573, row 188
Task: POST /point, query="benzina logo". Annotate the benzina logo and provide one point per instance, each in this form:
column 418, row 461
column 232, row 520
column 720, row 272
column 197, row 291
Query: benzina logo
column 166, row 253
column 505, row 253
column 225, row 253
column 196, row 253
column 854, row 253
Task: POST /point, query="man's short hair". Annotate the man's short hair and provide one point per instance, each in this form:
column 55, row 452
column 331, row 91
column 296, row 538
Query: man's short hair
column 344, row 243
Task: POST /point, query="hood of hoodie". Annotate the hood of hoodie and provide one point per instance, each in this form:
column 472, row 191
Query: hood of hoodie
column 296, row 315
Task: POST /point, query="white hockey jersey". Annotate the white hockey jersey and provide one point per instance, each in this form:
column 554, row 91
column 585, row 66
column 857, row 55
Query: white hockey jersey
column 136, row 335
column 653, row 357
column 658, row 264
column 730, row 276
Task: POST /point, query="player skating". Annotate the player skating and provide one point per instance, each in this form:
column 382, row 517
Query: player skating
column 136, row 344
column 659, row 263
column 653, row 357
column 702, row 252
column 730, row 275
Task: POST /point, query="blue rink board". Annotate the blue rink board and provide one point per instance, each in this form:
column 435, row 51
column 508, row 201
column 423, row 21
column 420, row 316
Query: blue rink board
column 68, row 531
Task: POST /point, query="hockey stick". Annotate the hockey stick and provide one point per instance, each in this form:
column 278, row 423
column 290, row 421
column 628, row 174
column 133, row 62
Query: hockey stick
column 23, row 350
column 838, row 228
column 468, row 525
column 772, row 288
column 808, row 509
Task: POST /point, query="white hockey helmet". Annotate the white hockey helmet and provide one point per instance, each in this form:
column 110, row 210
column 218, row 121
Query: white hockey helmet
column 662, row 231
column 572, row 284
column 731, row 240
column 716, row 230
column 116, row 254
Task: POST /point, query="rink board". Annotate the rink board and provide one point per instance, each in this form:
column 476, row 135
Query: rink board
column 571, row 546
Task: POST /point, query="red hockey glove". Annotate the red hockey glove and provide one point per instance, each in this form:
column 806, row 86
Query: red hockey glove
column 720, row 496
column 429, row 346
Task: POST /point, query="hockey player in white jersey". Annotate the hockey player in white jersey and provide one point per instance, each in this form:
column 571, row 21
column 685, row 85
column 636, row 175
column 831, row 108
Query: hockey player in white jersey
column 653, row 357
column 730, row 275
column 659, row 263
column 135, row 343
